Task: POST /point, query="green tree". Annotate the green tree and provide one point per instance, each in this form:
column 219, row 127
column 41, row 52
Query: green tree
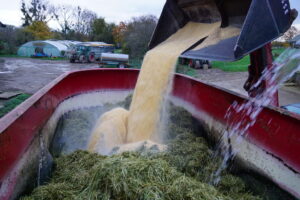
column 39, row 30
column 7, row 40
column 22, row 36
column 102, row 31
column 138, row 34
column 118, row 33
column 11, row 37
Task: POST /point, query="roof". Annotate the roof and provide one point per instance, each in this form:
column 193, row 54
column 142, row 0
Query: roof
column 2, row 25
column 61, row 45
column 64, row 45
column 58, row 45
column 94, row 44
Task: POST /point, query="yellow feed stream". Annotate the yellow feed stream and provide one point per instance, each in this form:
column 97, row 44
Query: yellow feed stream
column 218, row 35
column 110, row 131
column 119, row 126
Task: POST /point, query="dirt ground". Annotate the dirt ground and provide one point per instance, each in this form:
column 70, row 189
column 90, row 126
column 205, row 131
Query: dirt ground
column 29, row 75
column 230, row 80
column 234, row 81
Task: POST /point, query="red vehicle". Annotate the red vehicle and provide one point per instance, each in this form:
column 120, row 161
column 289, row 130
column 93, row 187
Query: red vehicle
column 272, row 144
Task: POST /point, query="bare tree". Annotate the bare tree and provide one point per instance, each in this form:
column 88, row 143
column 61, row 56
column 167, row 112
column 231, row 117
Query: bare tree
column 75, row 22
column 290, row 34
column 37, row 10
column 83, row 20
column 64, row 15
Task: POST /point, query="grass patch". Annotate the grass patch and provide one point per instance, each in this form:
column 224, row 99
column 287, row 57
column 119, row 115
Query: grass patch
column 277, row 51
column 186, row 70
column 45, row 58
column 12, row 103
column 52, row 58
column 135, row 63
column 242, row 65
column 109, row 66
column 237, row 66
column 11, row 56
column 118, row 51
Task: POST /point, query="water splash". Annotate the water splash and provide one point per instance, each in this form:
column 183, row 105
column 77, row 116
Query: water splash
column 241, row 117
column 45, row 162
column 41, row 159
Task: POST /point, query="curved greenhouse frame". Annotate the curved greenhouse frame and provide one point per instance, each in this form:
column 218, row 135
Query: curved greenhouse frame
column 51, row 48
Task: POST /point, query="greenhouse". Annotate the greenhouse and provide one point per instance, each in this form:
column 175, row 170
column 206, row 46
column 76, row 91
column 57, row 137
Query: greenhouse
column 50, row 48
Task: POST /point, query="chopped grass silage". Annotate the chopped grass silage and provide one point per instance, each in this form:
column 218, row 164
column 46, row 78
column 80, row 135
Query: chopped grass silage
column 83, row 175
column 182, row 172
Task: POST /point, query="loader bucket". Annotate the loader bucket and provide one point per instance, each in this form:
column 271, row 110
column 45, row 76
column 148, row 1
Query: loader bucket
column 258, row 21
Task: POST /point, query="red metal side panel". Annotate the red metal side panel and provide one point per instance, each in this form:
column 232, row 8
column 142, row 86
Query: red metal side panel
column 18, row 128
column 275, row 130
column 281, row 137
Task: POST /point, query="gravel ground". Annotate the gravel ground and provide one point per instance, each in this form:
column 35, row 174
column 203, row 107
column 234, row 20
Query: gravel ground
column 230, row 80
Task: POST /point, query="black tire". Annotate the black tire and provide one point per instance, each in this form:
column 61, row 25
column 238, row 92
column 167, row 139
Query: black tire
column 72, row 60
column 209, row 65
column 185, row 61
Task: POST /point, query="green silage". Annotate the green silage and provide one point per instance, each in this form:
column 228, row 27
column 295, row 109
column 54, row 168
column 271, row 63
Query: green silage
column 83, row 175
column 182, row 172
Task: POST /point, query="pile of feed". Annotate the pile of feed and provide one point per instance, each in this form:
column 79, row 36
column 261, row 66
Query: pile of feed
column 181, row 172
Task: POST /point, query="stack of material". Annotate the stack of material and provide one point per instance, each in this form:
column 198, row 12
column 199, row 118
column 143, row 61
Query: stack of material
column 183, row 171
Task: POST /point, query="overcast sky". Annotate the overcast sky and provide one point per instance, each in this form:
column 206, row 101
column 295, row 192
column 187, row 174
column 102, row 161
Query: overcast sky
column 111, row 10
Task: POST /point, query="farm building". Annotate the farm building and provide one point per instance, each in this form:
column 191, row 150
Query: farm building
column 55, row 48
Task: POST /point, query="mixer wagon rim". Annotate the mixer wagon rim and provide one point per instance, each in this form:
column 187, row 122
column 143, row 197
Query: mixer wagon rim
column 7, row 120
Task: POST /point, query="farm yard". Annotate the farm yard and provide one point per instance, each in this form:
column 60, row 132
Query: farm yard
column 28, row 75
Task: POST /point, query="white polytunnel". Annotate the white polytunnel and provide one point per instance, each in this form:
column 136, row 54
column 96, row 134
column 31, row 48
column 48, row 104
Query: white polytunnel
column 52, row 48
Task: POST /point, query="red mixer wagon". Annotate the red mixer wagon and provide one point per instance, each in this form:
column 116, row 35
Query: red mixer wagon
column 272, row 144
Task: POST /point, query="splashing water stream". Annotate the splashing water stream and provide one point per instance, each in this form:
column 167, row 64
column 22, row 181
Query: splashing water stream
column 286, row 65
